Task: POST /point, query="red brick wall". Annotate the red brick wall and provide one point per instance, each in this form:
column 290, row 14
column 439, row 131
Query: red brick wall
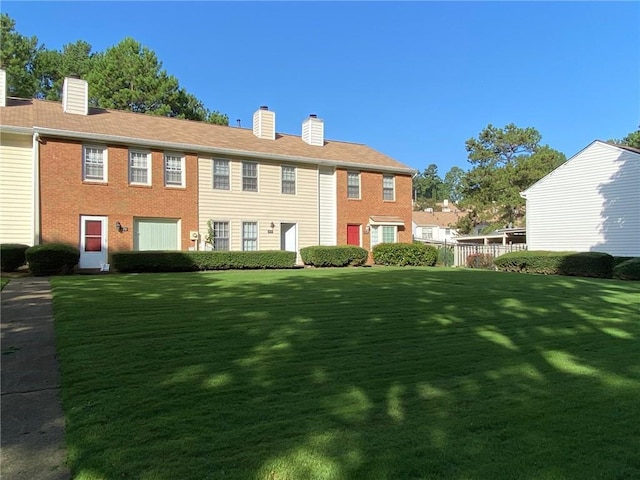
column 351, row 211
column 64, row 196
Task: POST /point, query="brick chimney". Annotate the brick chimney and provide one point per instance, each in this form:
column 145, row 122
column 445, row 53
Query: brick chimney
column 264, row 123
column 75, row 96
column 313, row 131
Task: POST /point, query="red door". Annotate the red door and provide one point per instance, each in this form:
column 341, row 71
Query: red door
column 353, row 235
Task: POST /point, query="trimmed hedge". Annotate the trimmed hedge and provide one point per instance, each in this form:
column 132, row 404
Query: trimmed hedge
column 629, row 270
column 480, row 260
column 161, row 261
column 334, row 256
column 12, row 256
column 405, row 254
column 52, row 259
column 582, row 264
column 618, row 260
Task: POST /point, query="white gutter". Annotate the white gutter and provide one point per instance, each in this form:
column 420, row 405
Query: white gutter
column 51, row 132
column 18, row 130
column 35, row 208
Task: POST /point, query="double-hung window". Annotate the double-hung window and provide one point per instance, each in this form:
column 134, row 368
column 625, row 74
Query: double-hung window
column 388, row 188
column 249, row 236
column 220, row 174
column 249, row 176
column 289, row 180
column 139, row 167
column 353, row 185
column 220, row 240
column 94, row 164
column 173, row 170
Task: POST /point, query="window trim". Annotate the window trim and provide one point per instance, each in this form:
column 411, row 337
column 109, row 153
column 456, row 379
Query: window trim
column 179, row 156
column 294, row 181
column 392, row 188
column 377, row 231
column 257, row 189
column 228, row 237
column 257, row 230
column 149, row 166
column 227, row 176
column 105, row 159
column 349, row 173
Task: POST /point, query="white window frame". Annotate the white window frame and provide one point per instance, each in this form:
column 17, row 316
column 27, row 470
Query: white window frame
column 227, row 176
column 103, row 149
column 174, row 156
column 248, row 177
column 377, row 234
column 249, row 239
column 287, row 181
column 427, row 233
column 228, row 237
column 350, row 175
column 148, row 167
column 387, row 189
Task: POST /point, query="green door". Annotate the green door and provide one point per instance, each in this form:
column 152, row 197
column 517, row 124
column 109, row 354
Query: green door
column 155, row 234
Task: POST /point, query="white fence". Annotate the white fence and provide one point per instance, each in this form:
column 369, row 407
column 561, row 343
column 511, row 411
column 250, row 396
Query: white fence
column 461, row 251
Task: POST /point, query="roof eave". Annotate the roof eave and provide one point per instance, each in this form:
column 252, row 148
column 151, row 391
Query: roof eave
column 96, row 137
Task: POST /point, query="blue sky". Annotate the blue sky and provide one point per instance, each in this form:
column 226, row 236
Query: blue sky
column 413, row 80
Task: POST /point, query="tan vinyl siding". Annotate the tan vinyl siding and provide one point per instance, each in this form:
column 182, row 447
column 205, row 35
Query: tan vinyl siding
column 265, row 206
column 16, row 189
column 75, row 96
column 591, row 203
column 327, row 207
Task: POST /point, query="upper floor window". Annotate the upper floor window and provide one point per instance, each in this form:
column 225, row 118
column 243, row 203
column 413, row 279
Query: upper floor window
column 220, row 237
column 140, row 167
column 388, row 187
column 353, row 185
column 173, row 170
column 249, row 236
column 249, row 176
column 289, row 180
column 94, row 164
column 221, row 174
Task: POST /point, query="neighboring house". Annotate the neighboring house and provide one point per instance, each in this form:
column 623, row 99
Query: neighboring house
column 436, row 227
column 590, row 203
column 502, row 236
column 108, row 180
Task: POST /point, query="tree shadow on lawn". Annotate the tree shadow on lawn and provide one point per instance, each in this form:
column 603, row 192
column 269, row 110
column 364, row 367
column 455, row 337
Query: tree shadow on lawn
column 327, row 374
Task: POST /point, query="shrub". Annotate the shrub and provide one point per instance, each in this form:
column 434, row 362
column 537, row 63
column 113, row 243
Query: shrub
column 334, row 256
column 582, row 264
column 480, row 260
column 52, row 258
column 629, row 270
column 12, row 256
column 158, row 261
column 403, row 254
column 445, row 256
column 618, row 260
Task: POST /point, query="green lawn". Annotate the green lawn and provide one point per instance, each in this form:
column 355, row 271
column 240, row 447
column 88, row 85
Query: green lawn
column 379, row 373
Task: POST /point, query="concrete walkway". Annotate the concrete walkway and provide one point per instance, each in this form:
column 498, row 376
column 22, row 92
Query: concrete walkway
column 32, row 423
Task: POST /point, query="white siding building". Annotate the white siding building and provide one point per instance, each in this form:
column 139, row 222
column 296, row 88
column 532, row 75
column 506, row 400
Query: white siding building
column 590, row 203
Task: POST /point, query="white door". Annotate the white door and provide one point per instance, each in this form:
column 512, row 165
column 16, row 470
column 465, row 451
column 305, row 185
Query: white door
column 93, row 241
column 288, row 237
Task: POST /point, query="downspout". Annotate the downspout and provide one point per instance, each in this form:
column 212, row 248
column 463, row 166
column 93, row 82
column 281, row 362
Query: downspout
column 35, row 208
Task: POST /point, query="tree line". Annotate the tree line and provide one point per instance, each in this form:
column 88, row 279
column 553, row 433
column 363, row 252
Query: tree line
column 127, row 76
column 503, row 162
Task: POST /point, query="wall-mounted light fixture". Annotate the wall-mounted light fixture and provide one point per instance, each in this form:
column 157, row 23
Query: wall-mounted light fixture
column 272, row 225
column 120, row 228
column 367, row 228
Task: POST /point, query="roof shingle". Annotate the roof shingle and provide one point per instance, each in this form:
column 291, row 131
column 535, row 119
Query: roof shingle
column 198, row 136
